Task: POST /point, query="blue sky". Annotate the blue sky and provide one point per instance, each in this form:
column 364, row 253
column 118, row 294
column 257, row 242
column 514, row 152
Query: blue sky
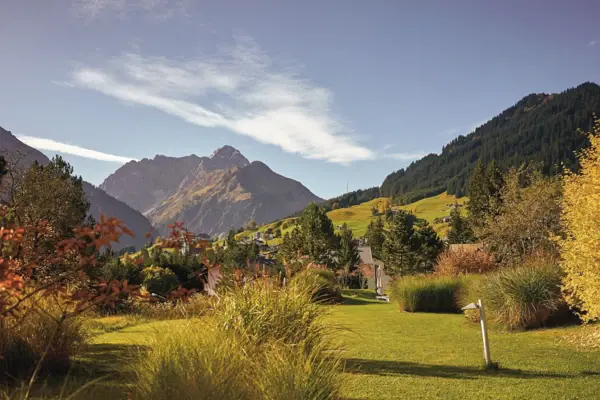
column 323, row 92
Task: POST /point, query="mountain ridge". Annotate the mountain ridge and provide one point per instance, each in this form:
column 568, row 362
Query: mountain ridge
column 100, row 201
column 540, row 127
column 209, row 194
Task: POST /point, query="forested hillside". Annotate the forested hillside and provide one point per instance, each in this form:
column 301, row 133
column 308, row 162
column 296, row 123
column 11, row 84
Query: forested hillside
column 539, row 128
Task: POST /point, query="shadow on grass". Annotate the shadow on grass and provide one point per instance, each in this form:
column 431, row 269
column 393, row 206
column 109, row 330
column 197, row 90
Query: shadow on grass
column 391, row 368
column 357, row 301
column 103, row 370
column 107, row 359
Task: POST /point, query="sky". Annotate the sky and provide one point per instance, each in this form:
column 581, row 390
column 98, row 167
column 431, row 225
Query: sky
column 335, row 94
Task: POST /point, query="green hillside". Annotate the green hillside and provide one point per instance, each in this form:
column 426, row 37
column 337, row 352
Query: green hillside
column 542, row 128
column 358, row 217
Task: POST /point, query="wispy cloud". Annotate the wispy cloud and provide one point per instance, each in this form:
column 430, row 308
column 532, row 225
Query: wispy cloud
column 52, row 145
column 241, row 89
column 158, row 10
column 406, row 156
column 592, row 43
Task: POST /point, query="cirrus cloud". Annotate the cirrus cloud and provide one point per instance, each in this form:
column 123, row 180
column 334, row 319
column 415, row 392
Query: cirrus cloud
column 158, row 10
column 240, row 89
column 53, row 145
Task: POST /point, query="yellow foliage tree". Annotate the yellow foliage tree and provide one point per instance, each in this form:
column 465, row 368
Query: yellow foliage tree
column 580, row 249
column 383, row 205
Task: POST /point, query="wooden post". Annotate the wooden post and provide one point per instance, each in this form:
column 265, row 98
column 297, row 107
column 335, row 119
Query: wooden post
column 486, row 345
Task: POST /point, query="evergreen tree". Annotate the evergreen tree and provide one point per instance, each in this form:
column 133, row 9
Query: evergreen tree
column 426, row 245
column 478, row 196
column 398, row 254
column 494, row 184
column 460, row 230
column 348, row 256
column 313, row 236
column 375, row 237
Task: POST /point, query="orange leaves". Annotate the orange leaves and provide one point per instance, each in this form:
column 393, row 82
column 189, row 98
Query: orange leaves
column 22, row 256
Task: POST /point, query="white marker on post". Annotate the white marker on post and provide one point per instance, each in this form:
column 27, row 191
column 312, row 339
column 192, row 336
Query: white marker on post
column 484, row 335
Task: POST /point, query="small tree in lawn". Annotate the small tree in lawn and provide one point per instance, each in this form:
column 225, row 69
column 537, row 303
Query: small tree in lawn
column 348, row 256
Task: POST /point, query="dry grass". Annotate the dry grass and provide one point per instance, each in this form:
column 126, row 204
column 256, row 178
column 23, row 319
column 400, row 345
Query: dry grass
column 24, row 338
column 263, row 342
column 464, row 261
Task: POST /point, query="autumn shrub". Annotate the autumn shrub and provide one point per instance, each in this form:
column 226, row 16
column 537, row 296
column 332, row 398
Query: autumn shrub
column 321, row 283
column 159, row 280
column 24, row 338
column 462, row 261
column 427, row 293
column 523, row 297
column 580, row 247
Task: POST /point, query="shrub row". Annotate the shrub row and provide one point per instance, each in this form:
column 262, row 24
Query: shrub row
column 427, row 293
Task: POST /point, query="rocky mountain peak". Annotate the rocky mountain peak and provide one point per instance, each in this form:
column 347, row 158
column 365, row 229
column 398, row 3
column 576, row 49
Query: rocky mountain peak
column 228, row 157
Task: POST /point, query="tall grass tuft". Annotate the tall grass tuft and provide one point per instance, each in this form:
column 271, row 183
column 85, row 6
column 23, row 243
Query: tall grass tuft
column 262, row 342
column 322, row 284
column 427, row 293
column 525, row 296
column 263, row 312
column 292, row 373
column 194, row 361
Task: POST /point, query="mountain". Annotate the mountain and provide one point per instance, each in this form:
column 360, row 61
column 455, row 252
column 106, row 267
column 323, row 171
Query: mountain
column 541, row 127
column 23, row 156
column 209, row 194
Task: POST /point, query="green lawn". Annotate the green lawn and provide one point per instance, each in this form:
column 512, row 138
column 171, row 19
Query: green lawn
column 393, row 355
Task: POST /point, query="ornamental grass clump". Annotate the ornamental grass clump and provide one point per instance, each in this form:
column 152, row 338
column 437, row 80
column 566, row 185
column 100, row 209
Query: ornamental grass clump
column 525, row 296
column 261, row 342
column 427, row 293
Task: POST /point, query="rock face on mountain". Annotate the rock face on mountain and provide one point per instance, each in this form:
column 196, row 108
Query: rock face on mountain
column 100, row 202
column 209, row 194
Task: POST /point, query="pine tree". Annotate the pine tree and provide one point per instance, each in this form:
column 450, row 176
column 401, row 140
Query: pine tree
column 478, row 196
column 398, row 255
column 313, row 236
column 494, row 184
column 375, row 237
column 460, row 231
column 348, row 256
column 426, row 245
